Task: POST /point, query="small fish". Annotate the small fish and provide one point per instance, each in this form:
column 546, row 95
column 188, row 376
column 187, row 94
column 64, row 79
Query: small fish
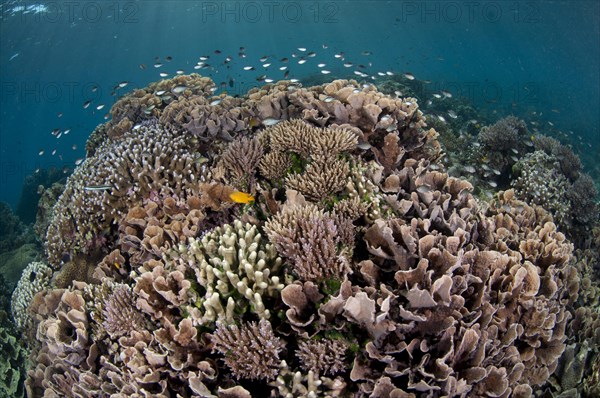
column 328, row 99
column 163, row 74
column 340, row 55
column 301, row 61
column 54, row 152
column 321, row 65
column 41, row 152
column 366, row 53
column 311, row 54
column 200, row 160
column 99, row 107
column 216, row 102
column 301, row 49
column 266, row 65
column 78, row 161
column 436, row 95
column 269, row 80
column 364, row 146
column 157, row 65
column 253, row 122
column 59, row 114
column 180, row 72
column 348, row 65
column 282, row 67
column 264, row 58
column 423, row 189
column 123, row 84
column 13, row 57
column 409, row 76
column 441, row 118
column 248, row 67
column 470, row 169
column 241, row 197
column 168, row 58
column 515, row 151
column 74, row 147
column 325, row 72
column 389, row 73
column 86, row 104
column 270, row 121
column 67, row 131
column 92, row 188
column 179, row 89
column 204, row 58
column 446, row 94
column 160, row 92
column 143, row 66
column 493, row 184
column 452, row 114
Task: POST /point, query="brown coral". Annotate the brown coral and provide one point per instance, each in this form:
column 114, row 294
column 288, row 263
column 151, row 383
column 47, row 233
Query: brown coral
column 251, row 350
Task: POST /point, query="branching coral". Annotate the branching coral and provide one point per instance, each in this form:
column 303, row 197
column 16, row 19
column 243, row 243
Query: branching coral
column 309, row 239
column 251, row 351
column 234, row 268
column 35, row 278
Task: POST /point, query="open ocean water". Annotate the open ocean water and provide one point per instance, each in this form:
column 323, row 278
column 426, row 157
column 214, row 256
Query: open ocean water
column 467, row 64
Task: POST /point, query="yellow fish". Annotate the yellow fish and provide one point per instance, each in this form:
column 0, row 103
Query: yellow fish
column 241, row 197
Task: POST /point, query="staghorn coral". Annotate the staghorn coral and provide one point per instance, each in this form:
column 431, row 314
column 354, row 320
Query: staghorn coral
column 309, row 239
column 240, row 161
column 323, row 357
column 251, row 350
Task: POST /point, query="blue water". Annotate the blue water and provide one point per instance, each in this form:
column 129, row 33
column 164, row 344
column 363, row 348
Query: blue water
column 514, row 57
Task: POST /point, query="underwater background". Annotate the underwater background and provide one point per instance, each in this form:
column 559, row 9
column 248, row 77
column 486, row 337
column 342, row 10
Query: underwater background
column 480, row 71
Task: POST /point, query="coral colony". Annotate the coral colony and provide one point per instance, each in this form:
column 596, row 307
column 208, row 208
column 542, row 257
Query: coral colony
column 302, row 242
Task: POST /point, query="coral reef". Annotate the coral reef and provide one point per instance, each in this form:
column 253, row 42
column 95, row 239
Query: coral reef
column 294, row 242
column 13, row 359
column 35, row 278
